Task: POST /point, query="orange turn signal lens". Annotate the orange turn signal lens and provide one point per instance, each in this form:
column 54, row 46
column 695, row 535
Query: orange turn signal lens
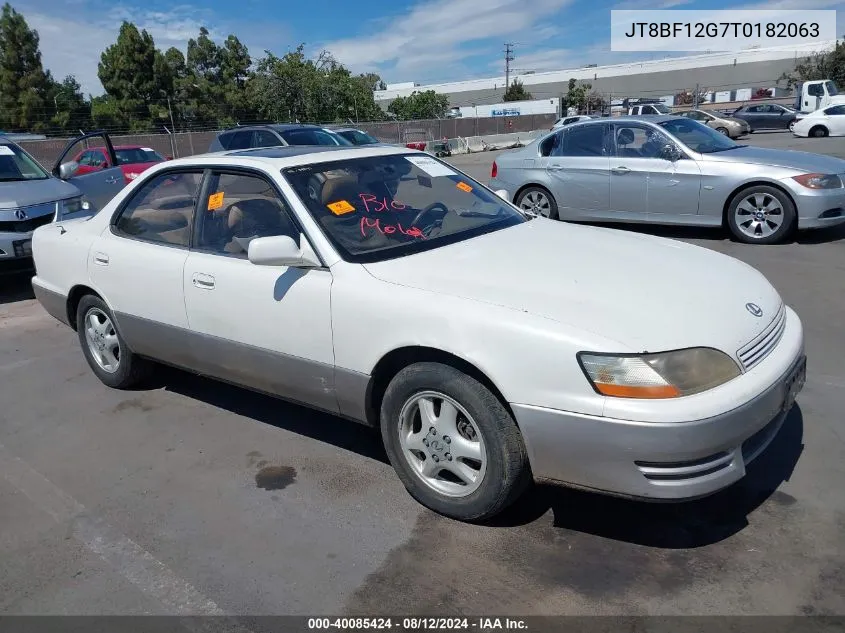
column 626, row 391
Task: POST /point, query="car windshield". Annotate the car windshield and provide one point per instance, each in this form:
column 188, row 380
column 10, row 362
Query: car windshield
column 16, row 164
column 381, row 207
column 311, row 136
column 358, row 138
column 662, row 109
column 136, row 155
column 831, row 88
column 697, row 136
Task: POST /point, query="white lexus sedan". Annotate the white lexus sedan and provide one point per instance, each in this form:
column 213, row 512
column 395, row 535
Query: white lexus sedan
column 490, row 347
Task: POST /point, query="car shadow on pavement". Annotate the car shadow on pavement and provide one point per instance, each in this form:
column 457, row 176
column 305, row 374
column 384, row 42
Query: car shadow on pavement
column 716, row 234
column 683, row 525
column 323, row 427
column 15, row 287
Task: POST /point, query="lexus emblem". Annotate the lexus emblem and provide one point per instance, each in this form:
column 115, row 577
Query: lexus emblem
column 754, row 309
column 20, row 214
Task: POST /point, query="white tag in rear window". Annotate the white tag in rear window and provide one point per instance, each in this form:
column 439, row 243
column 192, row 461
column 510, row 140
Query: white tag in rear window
column 430, row 166
column 5, row 150
column 148, row 149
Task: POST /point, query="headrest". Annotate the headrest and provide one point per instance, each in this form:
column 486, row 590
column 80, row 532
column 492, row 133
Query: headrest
column 625, row 137
column 256, row 211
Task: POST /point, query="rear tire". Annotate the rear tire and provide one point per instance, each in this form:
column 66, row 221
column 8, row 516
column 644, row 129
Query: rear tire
column 538, row 200
column 105, row 350
column 452, row 443
column 819, row 131
column 761, row 215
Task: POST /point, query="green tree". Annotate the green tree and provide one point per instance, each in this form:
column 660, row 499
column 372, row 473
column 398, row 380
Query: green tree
column 824, row 65
column 127, row 71
column 24, row 86
column 517, row 92
column 420, row 105
column 576, row 96
column 72, row 111
column 294, row 87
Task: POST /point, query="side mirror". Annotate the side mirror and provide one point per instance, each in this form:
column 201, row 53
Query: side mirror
column 281, row 250
column 670, row 152
column 68, row 169
column 503, row 194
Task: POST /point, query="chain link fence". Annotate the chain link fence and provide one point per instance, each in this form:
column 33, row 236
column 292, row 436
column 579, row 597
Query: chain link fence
column 189, row 143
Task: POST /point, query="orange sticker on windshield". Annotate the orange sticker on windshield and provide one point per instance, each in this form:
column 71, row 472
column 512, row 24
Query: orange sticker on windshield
column 215, row 201
column 340, row 207
column 464, row 187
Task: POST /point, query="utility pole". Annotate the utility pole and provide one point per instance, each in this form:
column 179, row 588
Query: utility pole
column 695, row 98
column 508, row 60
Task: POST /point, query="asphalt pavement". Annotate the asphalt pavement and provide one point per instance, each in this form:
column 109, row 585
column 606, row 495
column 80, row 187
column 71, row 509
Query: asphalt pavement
column 193, row 497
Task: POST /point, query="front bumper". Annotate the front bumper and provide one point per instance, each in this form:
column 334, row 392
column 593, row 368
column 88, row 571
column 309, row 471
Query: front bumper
column 819, row 208
column 672, row 461
column 15, row 246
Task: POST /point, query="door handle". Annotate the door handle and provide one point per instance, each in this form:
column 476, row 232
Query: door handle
column 101, row 258
column 203, row 281
column 620, row 170
column 556, row 167
column 111, row 180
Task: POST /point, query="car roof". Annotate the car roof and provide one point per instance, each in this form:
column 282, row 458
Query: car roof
column 346, row 129
column 278, row 127
column 290, row 156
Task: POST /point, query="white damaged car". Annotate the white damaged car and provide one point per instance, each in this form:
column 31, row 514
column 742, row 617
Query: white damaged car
column 491, row 348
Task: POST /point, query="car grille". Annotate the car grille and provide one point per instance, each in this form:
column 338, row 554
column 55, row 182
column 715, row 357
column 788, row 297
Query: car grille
column 44, row 214
column 764, row 343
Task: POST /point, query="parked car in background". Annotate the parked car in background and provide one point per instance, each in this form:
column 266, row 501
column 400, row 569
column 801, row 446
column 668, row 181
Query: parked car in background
column 570, row 119
column 356, row 137
column 275, row 135
column 726, row 125
column 371, row 282
column 671, row 170
column 132, row 160
column 767, row 116
column 827, row 122
column 29, row 197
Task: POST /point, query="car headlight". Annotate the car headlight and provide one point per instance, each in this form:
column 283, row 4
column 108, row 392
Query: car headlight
column 663, row 375
column 819, row 181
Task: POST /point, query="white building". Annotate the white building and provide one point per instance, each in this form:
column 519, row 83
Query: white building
column 714, row 72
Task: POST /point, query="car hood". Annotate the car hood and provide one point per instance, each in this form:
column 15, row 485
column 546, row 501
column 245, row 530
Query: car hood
column 644, row 292
column 801, row 161
column 25, row 193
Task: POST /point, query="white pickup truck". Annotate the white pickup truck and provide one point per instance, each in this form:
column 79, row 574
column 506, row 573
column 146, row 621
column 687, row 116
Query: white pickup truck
column 815, row 95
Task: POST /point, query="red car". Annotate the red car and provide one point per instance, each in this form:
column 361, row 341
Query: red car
column 132, row 160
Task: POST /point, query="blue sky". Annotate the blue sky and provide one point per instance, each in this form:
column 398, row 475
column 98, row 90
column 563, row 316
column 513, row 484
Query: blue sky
column 403, row 40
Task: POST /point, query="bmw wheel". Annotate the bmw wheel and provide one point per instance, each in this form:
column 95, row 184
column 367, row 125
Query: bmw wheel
column 538, row 201
column 761, row 215
column 452, row 443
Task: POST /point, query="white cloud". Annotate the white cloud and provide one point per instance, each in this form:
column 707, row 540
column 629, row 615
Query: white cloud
column 72, row 38
column 430, row 40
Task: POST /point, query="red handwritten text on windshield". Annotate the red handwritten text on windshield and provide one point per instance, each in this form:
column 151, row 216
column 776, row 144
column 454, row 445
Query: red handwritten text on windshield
column 389, row 229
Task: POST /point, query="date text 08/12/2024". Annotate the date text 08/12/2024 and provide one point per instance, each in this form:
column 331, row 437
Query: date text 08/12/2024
column 417, row 624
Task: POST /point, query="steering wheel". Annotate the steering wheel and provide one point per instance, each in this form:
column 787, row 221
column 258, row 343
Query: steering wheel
column 428, row 209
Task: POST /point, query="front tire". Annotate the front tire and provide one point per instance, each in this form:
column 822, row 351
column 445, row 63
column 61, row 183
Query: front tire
column 452, row 443
column 724, row 131
column 539, row 201
column 107, row 354
column 761, row 215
